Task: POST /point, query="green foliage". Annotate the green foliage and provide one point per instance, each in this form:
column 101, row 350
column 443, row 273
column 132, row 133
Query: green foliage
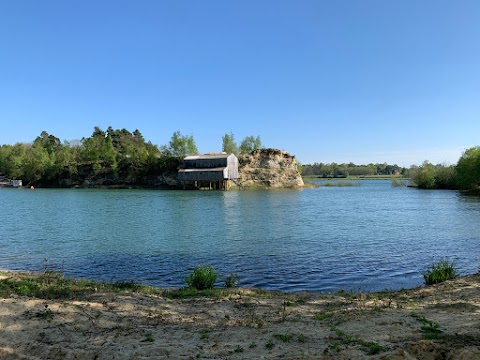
column 186, row 292
column 205, row 333
column 239, row 349
column 51, row 284
column 231, row 281
column 181, row 146
column 249, row 144
column 202, row 277
column 323, row 316
column 112, row 154
column 371, row 348
column 283, row 337
column 229, row 145
column 440, row 272
column 334, row 170
column 468, row 169
column 148, row 338
column 445, row 177
column 429, row 176
column 431, row 329
column 424, row 176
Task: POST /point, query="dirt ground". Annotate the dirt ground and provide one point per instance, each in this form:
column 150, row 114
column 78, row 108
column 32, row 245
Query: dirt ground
column 435, row 322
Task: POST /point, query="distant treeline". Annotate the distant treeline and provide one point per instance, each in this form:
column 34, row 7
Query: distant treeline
column 465, row 175
column 334, row 170
column 119, row 153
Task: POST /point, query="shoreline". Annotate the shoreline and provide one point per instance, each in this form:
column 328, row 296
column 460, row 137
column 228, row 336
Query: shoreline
column 134, row 322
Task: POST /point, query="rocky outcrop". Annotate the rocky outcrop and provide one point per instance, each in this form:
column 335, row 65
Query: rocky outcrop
column 268, row 168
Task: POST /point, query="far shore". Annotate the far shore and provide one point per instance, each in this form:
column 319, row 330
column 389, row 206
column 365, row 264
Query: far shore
column 360, row 177
column 43, row 315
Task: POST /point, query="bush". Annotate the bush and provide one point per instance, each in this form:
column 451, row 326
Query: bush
column 202, row 277
column 231, row 281
column 440, row 272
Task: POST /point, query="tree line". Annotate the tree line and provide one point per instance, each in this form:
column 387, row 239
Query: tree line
column 334, row 170
column 119, row 152
column 464, row 175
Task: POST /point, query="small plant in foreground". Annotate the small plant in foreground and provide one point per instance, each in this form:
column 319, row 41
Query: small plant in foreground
column 202, row 277
column 373, row 348
column 431, row 329
column 269, row 344
column 231, row 281
column 148, row 338
column 283, row 337
column 239, row 349
column 323, row 316
column 370, row 347
column 440, row 272
column 205, row 334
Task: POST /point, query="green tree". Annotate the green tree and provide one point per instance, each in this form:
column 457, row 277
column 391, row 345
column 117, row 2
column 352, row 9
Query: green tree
column 181, row 146
column 424, row 175
column 468, row 169
column 249, row 144
column 229, row 145
column 445, row 177
column 36, row 162
column 14, row 158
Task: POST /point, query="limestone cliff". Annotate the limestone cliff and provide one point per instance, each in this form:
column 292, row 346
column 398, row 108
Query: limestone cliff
column 268, row 168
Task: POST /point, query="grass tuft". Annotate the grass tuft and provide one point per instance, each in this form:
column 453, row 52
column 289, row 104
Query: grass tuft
column 440, row 272
column 202, row 278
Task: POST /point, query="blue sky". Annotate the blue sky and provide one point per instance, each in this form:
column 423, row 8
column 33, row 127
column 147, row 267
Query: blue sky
column 361, row 81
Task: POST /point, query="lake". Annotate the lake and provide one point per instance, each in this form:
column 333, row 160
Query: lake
column 367, row 237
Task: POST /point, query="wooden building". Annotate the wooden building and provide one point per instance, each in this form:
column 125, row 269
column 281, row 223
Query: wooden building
column 210, row 171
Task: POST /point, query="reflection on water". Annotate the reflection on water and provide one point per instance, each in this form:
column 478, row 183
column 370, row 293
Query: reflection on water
column 368, row 237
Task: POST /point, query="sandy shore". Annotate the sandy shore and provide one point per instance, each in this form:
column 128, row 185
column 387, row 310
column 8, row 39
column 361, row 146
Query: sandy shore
column 435, row 322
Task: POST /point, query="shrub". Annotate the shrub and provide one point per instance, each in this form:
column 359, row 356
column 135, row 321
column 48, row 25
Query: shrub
column 202, row 277
column 231, row 281
column 440, row 272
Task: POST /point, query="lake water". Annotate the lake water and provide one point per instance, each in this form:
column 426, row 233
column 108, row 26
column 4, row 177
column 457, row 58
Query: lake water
column 367, row 237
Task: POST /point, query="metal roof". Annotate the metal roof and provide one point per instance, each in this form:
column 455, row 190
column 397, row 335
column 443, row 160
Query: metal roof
column 203, row 169
column 207, row 156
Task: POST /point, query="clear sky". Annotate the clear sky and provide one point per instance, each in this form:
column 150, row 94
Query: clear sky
column 348, row 80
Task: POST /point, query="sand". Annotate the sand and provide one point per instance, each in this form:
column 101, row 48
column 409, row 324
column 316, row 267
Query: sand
column 434, row 322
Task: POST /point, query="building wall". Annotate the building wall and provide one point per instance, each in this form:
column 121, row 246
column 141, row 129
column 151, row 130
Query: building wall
column 222, row 167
